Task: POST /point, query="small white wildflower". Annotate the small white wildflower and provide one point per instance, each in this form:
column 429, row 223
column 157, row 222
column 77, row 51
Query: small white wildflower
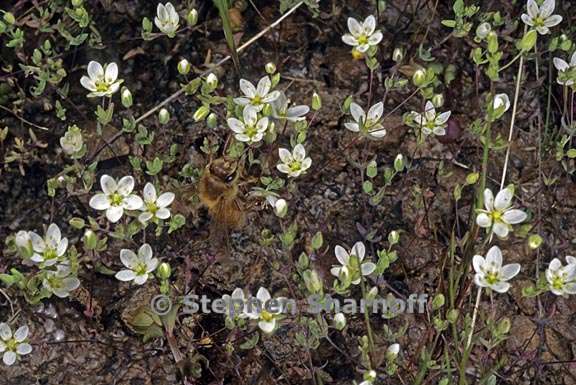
column 430, row 122
column 499, row 216
column 167, row 19
column 60, row 282
column 566, row 71
column 351, row 263
column 362, row 36
column 282, row 111
column 541, row 18
column 368, row 124
column 294, row 163
column 101, row 81
column 490, row 272
column 155, row 206
column 256, row 96
column 501, row 100
column 266, row 311
column 12, row 346
column 23, row 242
column 251, row 129
column 72, row 142
column 116, row 197
column 483, row 30
column 139, row 267
column 562, row 279
column 392, row 351
column 48, row 250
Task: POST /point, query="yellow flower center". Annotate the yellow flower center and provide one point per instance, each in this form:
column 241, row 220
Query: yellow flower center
column 558, row 282
column 152, row 207
column 102, row 86
column 496, row 216
column 140, row 269
column 266, row 316
column 116, row 199
column 492, row 277
column 256, row 100
column 362, row 39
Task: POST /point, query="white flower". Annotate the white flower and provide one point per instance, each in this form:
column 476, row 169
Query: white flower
column 339, row 321
column 501, row 100
column 566, row 72
column 61, row 282
column 256, row 96
column 101, row 81
column 352, row 263
column 541, row 18
column 155, row 206
column 362, row 36
column 167, row 19
column 499, row 216
column 266, row 312
column 562, row 279
column 293, row 163
column 367, row 124
column 116, row 197
column 23, row 242
column 72, row 141
column 430, row 122
column 252, row 129
column 48, row 250
column 281, row 111
column 490, row 272
column 13, row 345
column 139, row 266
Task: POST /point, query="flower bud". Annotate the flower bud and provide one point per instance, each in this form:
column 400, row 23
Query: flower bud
column 392, row 352
column 270, row 68
column 483, row 30
column 312, row 281
column 163, row 116
column 126, row 97
column 372, row 293
column 164, row 271
column 535, row 241
column 492, row 42
column 77, row 3
column 90, row 240
column 192, row 17
column 393, row 237
column 419, row 77
column 357, row 55
column 212, row 81
column 267, row 110
column 398, row 55
column 201, row 113
column 438, row 100
column 9, row 18
column 77, row 223
column 280, row 208
column 399, row 163
column 370, row 376
column 339, row 321
column 500, row 104
column 528, row 40
column 184, row 67
column 316, row 102
column 24, row 243
column 212, row 120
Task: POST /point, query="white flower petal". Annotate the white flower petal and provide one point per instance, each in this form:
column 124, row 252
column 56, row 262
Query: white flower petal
column 128, row 258
column 165, row 199
column 494, row 256
column 500, row 229
column 62, row 246
column 53, row 236
column 500, row 287
column 145, row 253
column 88, row 83
column 375, row 38
column 429, row 111
column 561, row 64
column 350, row 40
column 369, row 25
column 114, row 213
column 163, row 213
column 267, row 326
column 111, row 73
column 236, row 125
column 149, row 193
column 478, row 263
column 247, row 88
column 354, row 27
column 533, row 9
column 357, row 113
column 125, row 275
column 354, row 127
column 285, row 155
column 375, row 112
column 359, row 250
column 9, row 358
column 108, row 184
column 503, row 199
column 527, row 20
column 547, row 8
column 299, row 153
column 510, row 271
column 23, row 349
column 342, row 255
column 5, row 331
column 125, row 185
column 133, row 202
column 513, row 217
column 367, row 268
column 553, row 21
column 263, row 86
column 95, row 70
column 99, row 202
column 263, row 296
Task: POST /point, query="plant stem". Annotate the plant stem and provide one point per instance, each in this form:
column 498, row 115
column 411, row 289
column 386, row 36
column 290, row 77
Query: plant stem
column 512, row 121
column 468, row 347
column 367, row 319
